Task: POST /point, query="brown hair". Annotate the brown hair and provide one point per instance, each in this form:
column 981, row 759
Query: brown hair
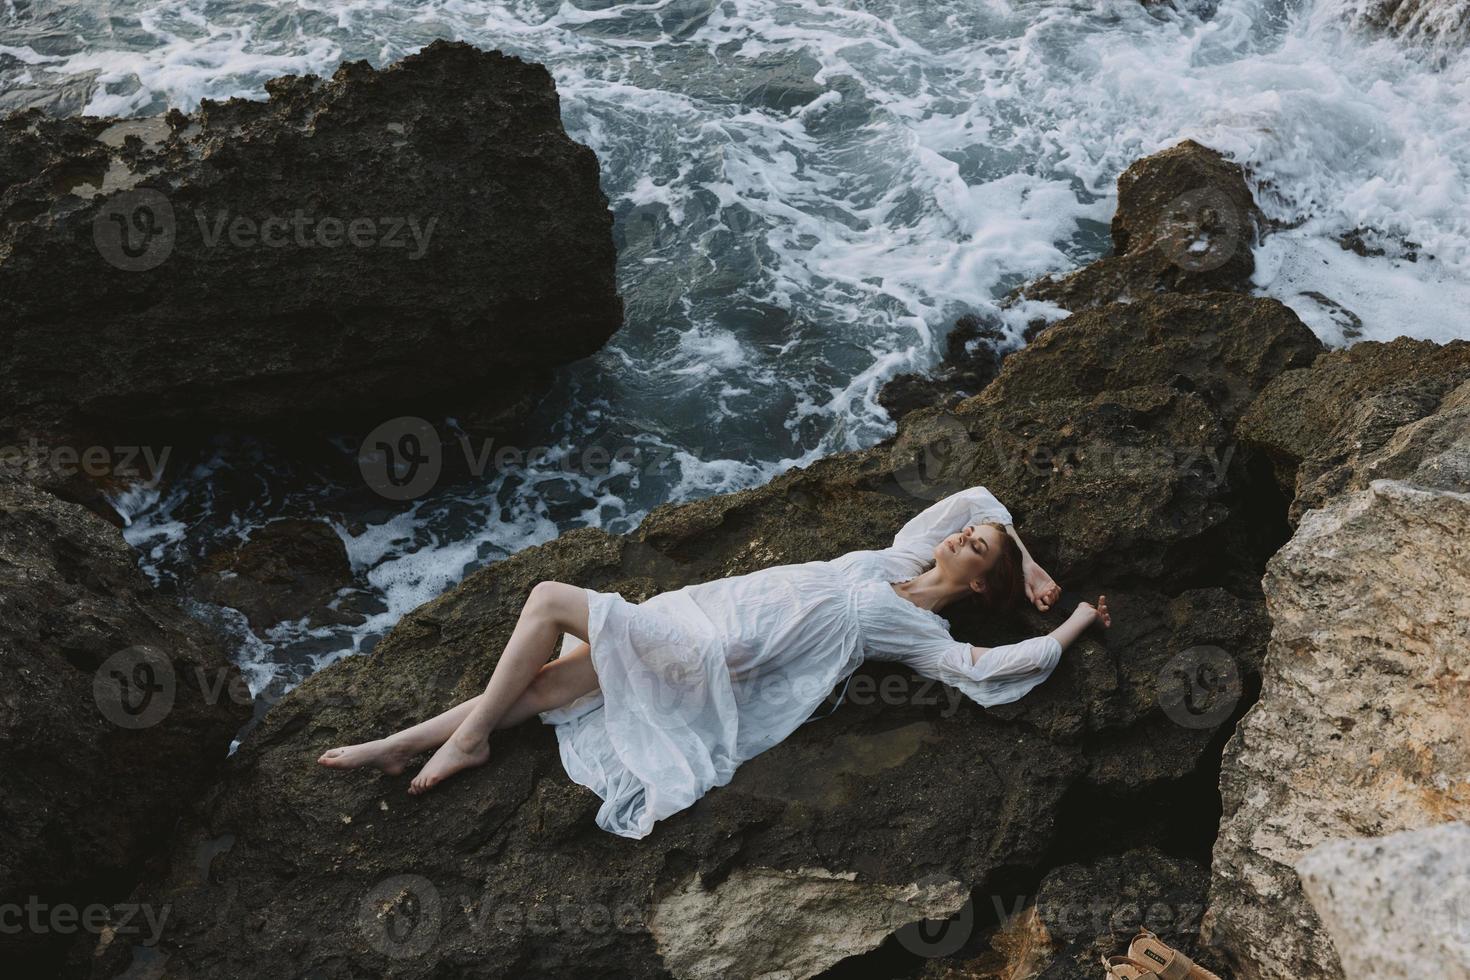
column 1004, row 584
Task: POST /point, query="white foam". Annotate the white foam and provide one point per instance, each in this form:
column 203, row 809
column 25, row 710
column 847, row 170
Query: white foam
column 1398, row 297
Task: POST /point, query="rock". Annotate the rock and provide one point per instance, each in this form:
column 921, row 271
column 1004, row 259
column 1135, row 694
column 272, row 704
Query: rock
column 1185, row 223
column 1223, row 346
column 286, row 571
column 1203, row 9
column 1393, row 410
column 971, row 361
column 1360, row 728
column 116, row 710
column 1019, row 947
column 905, row 786
column 79, row 468
column 1084, row 911
column 1113, row 435
column 381, row 243
column 1093, row 910
column 829, row 916
column 1396, row 907
column 1435, row 23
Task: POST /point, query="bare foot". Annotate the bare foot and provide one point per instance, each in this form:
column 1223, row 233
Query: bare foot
column 449, row 760
column 380, row 754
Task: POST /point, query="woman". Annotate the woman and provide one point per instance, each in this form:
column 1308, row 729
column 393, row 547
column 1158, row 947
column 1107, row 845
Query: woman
column 656, row 703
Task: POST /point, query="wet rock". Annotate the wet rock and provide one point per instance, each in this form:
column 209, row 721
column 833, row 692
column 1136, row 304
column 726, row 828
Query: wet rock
column 1185, row 223
column 1396, row 907
column 116, row 710
column 1435, row 23
column 1398, row 410
column 288, row 570
column 502, row 872
column 1203, row 9
column 973, row 351
column 1372, row 242
column 379, row 243
column 1360, row 728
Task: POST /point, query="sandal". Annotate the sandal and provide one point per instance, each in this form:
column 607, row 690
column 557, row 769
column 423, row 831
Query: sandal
column 1127, row 968
column 1165, row 961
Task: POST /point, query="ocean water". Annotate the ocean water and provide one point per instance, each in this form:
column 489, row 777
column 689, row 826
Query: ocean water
column 806, row 196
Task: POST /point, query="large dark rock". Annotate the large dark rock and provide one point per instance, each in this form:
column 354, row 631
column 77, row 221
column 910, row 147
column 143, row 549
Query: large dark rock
column 381, row 243
column 1370, row 411
column 1186, row 221
column 1222, row 346
column 502, row 872
column 116, row 710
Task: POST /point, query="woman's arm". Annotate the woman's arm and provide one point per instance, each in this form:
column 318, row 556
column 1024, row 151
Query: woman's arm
column 974, row 505
column 999, row 675
column 1082, row 617
column 1040, row 588
column 1066, row 634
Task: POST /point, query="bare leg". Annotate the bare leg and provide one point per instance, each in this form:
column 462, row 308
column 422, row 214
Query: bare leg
column 554, row 608
column 558, row 683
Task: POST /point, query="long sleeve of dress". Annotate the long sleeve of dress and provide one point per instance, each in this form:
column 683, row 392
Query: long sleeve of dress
column 1002, row 674
column 896, row 629
column 974, row 505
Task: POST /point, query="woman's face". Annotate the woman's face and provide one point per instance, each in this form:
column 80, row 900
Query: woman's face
column 967, row 555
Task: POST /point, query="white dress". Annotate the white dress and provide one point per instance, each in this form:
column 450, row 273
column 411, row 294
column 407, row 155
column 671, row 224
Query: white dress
column 696, row 681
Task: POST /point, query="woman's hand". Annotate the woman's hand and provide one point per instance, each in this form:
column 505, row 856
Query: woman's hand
column 1040, row 589
column 1083, row 617
column 1097, row 614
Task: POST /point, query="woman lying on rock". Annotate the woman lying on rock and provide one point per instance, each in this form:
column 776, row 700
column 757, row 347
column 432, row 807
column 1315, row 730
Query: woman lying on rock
column 656, row 703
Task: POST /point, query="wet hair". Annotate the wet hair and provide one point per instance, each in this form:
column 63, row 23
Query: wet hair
column 1004, row 584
